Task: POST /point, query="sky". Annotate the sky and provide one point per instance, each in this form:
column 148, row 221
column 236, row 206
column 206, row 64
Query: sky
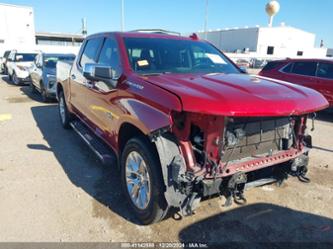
column 183, row 16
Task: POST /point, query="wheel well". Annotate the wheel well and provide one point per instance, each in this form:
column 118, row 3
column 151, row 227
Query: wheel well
column 126, row 132
column 59, row 89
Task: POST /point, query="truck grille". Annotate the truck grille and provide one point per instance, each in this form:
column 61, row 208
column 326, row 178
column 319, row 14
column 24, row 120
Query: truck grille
column 246, row 138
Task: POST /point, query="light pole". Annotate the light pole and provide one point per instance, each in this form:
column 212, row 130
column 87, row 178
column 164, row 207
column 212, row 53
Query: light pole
column 122, row 16
column 206, row 18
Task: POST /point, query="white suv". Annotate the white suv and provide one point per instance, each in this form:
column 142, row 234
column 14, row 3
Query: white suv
column 18, row 66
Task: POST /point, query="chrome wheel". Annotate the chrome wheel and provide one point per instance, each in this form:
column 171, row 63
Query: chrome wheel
column 62, row 110
column 138, row 180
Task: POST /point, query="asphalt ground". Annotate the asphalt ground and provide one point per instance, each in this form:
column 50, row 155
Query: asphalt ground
column 52, row 188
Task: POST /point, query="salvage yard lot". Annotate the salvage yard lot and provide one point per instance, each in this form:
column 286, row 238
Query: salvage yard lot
column 52, row 188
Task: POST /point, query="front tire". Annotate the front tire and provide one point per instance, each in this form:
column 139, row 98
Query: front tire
column 65, row 115
column 32, row 88
column 142, row 181
column 45, row 97
column 15, row 80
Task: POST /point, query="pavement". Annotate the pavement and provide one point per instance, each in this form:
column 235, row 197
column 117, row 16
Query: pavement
column 52, row 188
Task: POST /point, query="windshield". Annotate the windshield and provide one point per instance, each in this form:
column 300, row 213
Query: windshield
column 51, row 61
column 22, row 57
column 155, row 55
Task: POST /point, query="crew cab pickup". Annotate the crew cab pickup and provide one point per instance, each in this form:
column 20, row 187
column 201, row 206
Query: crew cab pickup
column 182, row 121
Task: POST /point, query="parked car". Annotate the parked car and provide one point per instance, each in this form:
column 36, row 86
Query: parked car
column 243, row 63
column 18, row 66
column 313, row 73
column 258, row 63
column 3, row 64
column 181, row 121
column 43, row 73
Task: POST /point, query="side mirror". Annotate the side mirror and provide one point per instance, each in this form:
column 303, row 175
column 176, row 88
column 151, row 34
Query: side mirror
column 243, row 69
column 96, row 72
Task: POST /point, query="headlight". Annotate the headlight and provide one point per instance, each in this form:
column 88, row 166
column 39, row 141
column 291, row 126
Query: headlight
column 51, row 84
column 50, row 76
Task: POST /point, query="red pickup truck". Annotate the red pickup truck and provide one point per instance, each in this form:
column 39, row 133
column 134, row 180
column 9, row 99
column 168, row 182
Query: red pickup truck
column 181, row 120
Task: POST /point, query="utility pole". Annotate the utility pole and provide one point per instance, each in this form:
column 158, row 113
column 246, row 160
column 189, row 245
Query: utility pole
column 206, row 19
column 122, row 16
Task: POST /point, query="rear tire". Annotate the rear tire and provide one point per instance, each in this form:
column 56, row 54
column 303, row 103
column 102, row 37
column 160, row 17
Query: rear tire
column 155, row 206
column 65, row 115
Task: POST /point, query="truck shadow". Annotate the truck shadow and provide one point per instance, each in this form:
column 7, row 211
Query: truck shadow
column 26, row 90
column 261, row 226
column 81, row 166
column 325, row 115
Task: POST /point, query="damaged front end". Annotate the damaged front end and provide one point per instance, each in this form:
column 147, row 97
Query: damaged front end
column 207, row 155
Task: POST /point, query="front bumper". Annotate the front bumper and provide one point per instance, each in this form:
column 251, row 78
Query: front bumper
column 22, row 75
column 51, row 88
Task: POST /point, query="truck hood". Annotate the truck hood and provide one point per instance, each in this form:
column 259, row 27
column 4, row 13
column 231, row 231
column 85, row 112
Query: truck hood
column 239, row 94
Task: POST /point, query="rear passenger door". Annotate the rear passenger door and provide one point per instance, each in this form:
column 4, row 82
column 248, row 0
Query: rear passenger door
column 303, row 73
column 325, row 80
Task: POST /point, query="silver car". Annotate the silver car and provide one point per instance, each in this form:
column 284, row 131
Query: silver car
column 43, row 73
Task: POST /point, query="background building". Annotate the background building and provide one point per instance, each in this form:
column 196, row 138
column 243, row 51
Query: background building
column 19, row 33
column 58, row 42
column 16, row 32
column 266, row 42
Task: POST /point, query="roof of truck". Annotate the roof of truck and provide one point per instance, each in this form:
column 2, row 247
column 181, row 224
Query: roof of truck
column 142, row 35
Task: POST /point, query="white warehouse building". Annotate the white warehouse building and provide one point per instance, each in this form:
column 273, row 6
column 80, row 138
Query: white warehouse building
column 17, row 31
column 17, row 27
column 266, row 42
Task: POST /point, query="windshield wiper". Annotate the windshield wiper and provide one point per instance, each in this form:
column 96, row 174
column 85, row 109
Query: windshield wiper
column 150, row 74
column 155, row 73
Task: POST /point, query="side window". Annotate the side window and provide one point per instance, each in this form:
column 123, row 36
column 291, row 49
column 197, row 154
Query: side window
column 272, row 65
column 325, row 70
column 305, row 68
column 288, row 68
column 109, row 56
column 90, row 51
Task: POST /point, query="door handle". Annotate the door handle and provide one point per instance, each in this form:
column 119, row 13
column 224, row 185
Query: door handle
column 73, row 77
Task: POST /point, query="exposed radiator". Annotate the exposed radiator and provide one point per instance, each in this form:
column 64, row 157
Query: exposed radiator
column 252, row 137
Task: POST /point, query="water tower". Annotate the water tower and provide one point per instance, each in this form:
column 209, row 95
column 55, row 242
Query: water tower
column 272, row 8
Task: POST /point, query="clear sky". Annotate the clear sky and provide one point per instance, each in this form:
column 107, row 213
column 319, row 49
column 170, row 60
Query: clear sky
column 179, row 15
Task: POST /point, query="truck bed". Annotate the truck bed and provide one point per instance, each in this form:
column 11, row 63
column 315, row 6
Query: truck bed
column 63, row 70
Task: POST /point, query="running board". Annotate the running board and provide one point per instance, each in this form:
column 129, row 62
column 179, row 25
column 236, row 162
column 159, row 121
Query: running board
column 102, row 151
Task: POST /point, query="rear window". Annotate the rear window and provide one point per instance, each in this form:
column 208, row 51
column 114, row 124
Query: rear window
column 325, row 70
column 305, row 68
column 51, row 61
column 23, row 57
column 272, row 65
